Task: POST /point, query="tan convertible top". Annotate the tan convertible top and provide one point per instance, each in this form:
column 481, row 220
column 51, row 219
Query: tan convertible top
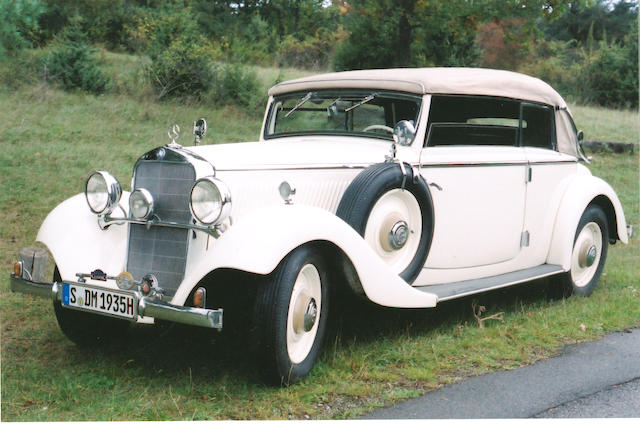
column 450, row 81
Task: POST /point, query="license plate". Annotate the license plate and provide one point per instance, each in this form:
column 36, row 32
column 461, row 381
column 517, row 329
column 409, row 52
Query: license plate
column 98, row 300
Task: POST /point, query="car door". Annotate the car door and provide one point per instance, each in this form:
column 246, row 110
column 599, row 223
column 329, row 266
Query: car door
column 479, row 203
column 476, row 172
column 547, row 178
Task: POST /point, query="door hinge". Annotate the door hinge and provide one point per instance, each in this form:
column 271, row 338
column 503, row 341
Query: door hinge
column 528, row 173
column 524, row 239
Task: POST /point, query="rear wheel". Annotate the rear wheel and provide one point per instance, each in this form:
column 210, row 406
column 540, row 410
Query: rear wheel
column 84, row 329
column 589, row 253
column 291, row 315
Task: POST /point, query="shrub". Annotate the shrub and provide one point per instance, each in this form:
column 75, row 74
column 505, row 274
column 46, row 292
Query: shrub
column 611, row 78
column 183, row 69
column 310, row 53
column 74, row 64
column 235, row 84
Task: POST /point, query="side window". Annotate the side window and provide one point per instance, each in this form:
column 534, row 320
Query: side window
column 539, row 125
column 473, row 121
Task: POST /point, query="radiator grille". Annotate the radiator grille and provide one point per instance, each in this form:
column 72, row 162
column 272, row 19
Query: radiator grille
column 160, row 250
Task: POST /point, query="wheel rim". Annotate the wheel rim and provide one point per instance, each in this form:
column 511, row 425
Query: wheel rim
column 394, row 228
column 304, row 313
column 587, row 251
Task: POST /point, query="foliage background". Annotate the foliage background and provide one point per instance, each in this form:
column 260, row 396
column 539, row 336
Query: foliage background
column 587, row 49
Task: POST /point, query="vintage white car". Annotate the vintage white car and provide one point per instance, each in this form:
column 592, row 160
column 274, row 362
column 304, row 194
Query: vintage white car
column 406, row 186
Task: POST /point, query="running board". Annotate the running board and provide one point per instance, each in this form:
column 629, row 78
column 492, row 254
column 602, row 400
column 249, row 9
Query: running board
column 466, row 288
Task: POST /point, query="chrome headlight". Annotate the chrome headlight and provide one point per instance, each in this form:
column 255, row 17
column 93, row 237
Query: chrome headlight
column 210, row 201
column 103, row 192
column 141, row 204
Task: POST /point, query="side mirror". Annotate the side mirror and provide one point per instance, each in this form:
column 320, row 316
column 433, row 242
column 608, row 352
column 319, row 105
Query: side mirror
column 199, row 130
column 584, row 157
column 404, row 132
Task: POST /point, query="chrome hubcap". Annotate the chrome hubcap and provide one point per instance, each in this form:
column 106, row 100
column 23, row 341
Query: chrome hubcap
column 588, row 255
column 398, row 235
column 310, row 315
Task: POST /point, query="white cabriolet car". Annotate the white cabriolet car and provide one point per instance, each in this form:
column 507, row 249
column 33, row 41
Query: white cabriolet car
column 407, row 186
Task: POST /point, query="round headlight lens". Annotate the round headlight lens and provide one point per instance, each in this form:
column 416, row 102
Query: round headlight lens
column 210, row 201
column 141, row 204
column 103, row 192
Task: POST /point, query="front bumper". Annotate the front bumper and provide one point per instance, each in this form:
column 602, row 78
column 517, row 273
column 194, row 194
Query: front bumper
column 147, row 305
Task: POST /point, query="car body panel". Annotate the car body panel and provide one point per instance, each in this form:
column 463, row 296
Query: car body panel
column 478, row 196
column 581, row 190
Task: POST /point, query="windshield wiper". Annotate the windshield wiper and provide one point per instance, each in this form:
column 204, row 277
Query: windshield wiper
column 300, row 103
column 362, row 102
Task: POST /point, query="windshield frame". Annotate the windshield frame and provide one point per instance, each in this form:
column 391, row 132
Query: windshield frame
column 336, row 94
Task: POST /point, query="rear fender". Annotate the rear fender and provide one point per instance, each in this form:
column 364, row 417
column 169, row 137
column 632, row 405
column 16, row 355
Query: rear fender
column 259, row 241
column 581, row 192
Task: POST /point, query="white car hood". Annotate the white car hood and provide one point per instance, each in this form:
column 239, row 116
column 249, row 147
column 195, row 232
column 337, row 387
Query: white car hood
column 294, row 152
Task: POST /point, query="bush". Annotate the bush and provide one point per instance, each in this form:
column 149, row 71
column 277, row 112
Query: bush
column 235, row 84
column 22, row 70
column 611, row 78
column 254, row 43
column 311, row 53
column 74, row 64
column 183, row 69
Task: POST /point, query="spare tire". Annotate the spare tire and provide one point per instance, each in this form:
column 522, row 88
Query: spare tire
column 394, row 213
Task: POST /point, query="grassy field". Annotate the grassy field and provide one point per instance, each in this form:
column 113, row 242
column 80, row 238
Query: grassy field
column 607, row 125
column 373, row 357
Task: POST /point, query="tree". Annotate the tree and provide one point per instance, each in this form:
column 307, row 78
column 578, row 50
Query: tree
column 599, row 17
column 388, row 33
column 18, row 24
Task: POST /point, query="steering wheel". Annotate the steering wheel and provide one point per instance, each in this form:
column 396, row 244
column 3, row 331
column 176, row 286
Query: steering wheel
column 378, row 127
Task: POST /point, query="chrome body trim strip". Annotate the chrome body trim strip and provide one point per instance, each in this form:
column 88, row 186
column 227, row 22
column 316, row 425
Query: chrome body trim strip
column 296, row 167
column 147, row 305
column 365, row 165
column 521, row 163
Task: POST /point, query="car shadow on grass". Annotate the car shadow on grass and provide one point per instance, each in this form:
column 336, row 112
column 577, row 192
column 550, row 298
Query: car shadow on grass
column 172, row 350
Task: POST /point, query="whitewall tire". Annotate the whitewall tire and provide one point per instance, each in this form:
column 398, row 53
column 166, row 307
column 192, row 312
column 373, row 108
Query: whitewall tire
column 589, row 252
column 290, row 316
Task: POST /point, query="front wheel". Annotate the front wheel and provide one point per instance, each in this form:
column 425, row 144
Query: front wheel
column 589, row 253
column 290, row 316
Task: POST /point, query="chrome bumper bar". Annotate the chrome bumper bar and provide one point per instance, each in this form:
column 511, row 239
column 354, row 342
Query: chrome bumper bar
column 147, row 306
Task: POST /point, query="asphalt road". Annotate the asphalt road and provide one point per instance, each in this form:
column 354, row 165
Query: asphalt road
column 596, row 379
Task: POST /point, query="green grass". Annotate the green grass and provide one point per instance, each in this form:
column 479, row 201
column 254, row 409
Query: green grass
column 50, row 141
column 607, row 125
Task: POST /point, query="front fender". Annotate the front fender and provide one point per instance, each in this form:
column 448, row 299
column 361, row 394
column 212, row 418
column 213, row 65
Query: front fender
column 583, row 189
column 259, row 241
column 76, row 242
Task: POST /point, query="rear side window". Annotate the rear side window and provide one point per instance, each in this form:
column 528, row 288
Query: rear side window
column 488, row 121
column 538, row 132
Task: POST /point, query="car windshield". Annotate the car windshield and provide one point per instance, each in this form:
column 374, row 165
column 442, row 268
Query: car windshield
column 370, row 113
